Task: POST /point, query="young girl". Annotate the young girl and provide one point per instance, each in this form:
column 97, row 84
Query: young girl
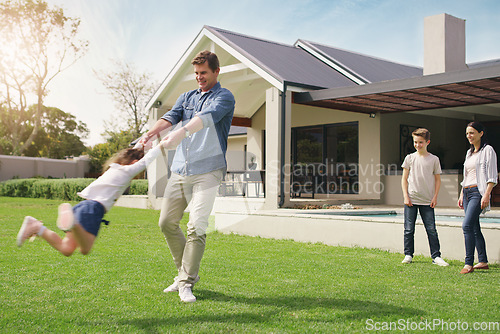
column 480, row 176
column 82, row 222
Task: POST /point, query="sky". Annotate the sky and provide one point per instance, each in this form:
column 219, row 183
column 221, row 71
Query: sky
column 153, row 35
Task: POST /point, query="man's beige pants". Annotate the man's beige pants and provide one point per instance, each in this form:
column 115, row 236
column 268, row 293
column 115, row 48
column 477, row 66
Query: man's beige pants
column 200, row 192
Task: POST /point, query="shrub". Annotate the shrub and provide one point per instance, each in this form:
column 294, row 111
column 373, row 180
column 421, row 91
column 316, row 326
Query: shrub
column 138, row 187
column 42, row 189
column 61, row 189
column 17, row 187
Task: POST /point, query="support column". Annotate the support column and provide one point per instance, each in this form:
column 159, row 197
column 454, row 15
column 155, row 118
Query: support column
column 273, row 138
column 157, row 171
column 273, row 147
column 370, row 168
column 288, row 143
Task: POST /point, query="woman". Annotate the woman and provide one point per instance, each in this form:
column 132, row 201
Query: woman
column 480, row 176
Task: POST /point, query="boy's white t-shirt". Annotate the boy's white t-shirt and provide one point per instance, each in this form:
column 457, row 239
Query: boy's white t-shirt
column 421, row 180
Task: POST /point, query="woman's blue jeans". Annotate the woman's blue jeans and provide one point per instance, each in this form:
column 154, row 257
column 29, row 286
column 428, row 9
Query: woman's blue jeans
column 472, row 231
column 427, row 214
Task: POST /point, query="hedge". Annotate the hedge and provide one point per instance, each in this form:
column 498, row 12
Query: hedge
column 138, row 187
column 62, row 189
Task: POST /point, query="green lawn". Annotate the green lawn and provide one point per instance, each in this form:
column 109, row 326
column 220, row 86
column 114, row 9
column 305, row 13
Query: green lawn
column 247, row 284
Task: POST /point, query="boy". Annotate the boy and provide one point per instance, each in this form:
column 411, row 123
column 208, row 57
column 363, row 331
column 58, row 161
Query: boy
column 420, row 182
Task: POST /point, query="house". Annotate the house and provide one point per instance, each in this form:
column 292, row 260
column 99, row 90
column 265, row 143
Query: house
column 325, row 125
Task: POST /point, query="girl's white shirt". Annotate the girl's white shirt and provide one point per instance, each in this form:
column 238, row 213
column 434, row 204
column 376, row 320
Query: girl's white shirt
column 486, row 169
column 111, row 185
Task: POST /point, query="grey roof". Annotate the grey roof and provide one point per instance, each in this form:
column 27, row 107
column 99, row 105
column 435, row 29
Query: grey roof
column 293, row 64
column 371, row 68
column 237, row 130
column 491, row 62
column 284, row 62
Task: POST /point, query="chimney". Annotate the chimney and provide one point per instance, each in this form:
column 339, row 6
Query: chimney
column 444, row 44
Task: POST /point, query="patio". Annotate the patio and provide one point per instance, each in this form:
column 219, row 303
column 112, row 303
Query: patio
column 247, row 217
column 384, row 233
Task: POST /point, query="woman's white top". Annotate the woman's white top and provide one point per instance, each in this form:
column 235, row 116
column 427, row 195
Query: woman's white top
column 111, row 185
column 486, row 169
column 470, row 170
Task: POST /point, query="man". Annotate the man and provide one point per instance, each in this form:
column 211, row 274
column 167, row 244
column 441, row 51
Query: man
column 204, row 116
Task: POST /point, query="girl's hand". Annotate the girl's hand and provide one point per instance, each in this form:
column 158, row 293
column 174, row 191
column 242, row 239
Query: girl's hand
column 460, row 202
column 144, row 142
column 173, row 139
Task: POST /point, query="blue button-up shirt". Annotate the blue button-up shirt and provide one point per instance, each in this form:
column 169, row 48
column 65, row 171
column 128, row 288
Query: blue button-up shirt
column 205, row 150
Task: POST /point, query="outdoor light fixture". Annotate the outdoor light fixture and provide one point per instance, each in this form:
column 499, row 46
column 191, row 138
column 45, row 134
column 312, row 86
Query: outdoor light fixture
column 158, row 104
column 372, row 115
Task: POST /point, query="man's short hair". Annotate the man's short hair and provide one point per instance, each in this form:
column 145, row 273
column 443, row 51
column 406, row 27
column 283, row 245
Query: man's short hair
column 421, row 132
column 206, row 56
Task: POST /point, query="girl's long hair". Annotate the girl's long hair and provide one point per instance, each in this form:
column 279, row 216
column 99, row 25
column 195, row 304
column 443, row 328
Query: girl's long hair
column 125, row 157
column 479, row 127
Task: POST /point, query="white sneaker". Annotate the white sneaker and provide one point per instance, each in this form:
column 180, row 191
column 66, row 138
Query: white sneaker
column 440, row 262
column 407, row 259
column 186, row 294
column 175, row 286
column 65, row 219
column 30, row 227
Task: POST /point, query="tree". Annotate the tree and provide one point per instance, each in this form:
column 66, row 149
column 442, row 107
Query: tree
column 131, row 91
column 100, row 153
column 59, row 136
column 37, row 43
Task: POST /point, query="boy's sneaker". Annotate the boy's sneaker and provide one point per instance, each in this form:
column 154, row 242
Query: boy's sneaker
column 65, row 219
column 407, row 259
column 186, row 294
column 30, row 227
column 440, row 262
column 175, row 286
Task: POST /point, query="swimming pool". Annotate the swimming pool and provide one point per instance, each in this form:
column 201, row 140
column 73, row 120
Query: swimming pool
column 394, row 214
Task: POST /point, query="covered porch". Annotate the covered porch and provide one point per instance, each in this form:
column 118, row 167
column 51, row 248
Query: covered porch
column 384, row 114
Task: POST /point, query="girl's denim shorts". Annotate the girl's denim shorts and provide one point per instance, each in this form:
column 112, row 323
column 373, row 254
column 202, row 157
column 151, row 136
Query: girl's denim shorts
column 89, row 214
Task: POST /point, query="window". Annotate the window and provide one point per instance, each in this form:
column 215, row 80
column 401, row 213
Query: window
column 325, row 159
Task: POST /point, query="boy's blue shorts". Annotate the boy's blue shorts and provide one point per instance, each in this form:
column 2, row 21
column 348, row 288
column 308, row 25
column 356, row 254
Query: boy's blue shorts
column 89, row 213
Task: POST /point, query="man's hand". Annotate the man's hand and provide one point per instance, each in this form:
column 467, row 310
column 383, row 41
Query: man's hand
column 145, row 139
column 159, row 129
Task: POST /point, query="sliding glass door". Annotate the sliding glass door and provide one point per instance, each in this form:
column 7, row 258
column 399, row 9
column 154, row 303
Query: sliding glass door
column 325, row 159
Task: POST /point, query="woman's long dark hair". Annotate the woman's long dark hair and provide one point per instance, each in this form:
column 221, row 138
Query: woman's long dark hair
column 484, row 140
